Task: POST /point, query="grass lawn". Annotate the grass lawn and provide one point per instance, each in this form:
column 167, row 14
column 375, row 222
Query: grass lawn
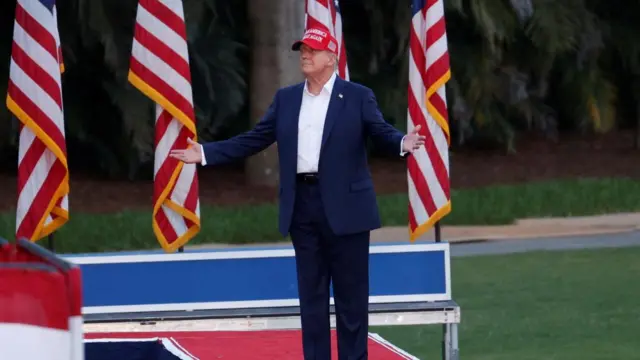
column 131, row 229
column 574, row 305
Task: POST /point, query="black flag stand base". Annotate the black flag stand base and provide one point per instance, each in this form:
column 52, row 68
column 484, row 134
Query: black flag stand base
column 437, row 231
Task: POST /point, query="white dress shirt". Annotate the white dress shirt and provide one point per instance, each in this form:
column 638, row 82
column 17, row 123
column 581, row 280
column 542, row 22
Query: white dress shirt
column 313, row 112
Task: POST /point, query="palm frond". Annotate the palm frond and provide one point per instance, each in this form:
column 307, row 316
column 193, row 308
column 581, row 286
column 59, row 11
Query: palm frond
column 496, row 21
column 555, row 26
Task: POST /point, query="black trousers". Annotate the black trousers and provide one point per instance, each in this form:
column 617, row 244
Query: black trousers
column 322, row 258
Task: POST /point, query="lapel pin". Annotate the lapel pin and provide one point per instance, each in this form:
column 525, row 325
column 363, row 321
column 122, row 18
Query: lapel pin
column 340, row 96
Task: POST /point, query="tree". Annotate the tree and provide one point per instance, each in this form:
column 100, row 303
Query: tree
column 274, row 27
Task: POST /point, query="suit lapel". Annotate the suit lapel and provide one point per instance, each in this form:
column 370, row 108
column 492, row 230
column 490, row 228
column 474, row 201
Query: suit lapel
column 335, row 105
column 296, row 103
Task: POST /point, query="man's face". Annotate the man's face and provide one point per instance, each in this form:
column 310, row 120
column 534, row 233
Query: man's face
column 314, row 61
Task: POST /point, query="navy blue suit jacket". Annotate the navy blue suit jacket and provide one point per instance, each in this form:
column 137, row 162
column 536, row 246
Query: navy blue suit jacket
column 345, row 181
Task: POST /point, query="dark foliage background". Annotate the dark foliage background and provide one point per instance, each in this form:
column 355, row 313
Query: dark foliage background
column 518, row 66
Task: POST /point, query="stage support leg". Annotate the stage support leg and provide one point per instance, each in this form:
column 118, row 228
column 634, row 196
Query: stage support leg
column 450, row 349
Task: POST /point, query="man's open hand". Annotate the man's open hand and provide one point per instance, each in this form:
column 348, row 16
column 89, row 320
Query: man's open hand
column 413, row 141
column 191, row 155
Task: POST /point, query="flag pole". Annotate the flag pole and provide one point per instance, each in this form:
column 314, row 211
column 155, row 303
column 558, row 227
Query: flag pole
column 437, row 231
column 50, row 242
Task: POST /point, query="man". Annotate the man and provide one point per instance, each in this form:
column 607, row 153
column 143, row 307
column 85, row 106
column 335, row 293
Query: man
column 327, row 200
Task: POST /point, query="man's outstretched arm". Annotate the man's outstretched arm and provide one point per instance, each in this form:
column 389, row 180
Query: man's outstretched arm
column 246, row 144
column 236, row 148
column 384, row 135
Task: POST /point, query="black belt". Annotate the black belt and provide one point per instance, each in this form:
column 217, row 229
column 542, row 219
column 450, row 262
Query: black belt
column 308, row 178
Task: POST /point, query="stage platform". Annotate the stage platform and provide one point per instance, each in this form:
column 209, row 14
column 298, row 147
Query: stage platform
column 255, row 290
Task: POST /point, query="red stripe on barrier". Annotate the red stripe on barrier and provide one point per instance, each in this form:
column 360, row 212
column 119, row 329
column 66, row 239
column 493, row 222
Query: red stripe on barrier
column 32, row 295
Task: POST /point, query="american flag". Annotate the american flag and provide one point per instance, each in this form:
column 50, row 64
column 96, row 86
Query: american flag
column 326, row 14
column 35, row 98
column 428, row 168
column 159, row 67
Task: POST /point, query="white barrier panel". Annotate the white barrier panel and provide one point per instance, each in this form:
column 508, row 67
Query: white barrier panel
column 243, row 278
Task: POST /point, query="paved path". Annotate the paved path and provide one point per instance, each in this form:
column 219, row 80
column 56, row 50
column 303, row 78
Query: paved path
column 524, row 229
column 551, row 244
column 524, row 235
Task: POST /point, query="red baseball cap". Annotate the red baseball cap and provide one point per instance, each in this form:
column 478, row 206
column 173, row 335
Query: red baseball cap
column 317, row 39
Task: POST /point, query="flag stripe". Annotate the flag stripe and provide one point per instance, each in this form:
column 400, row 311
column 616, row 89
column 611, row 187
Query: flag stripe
column 33, row 70
column 168, row 231
column 430, row 158
column 33, row 49
column 167, row 164
column 167, row 16
column 172, row 83
column 419, row 92
column 159, row 67
column 183, row 109
column 40, row 206
column 165, row 54
column 34, row 96
column 428, row 167
column 34, row 150
column 31, row 208
column 412, row 218
column 166, row 35
column 36, row 113
column 419, row 181
column 164, row 142
column 36, row 23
